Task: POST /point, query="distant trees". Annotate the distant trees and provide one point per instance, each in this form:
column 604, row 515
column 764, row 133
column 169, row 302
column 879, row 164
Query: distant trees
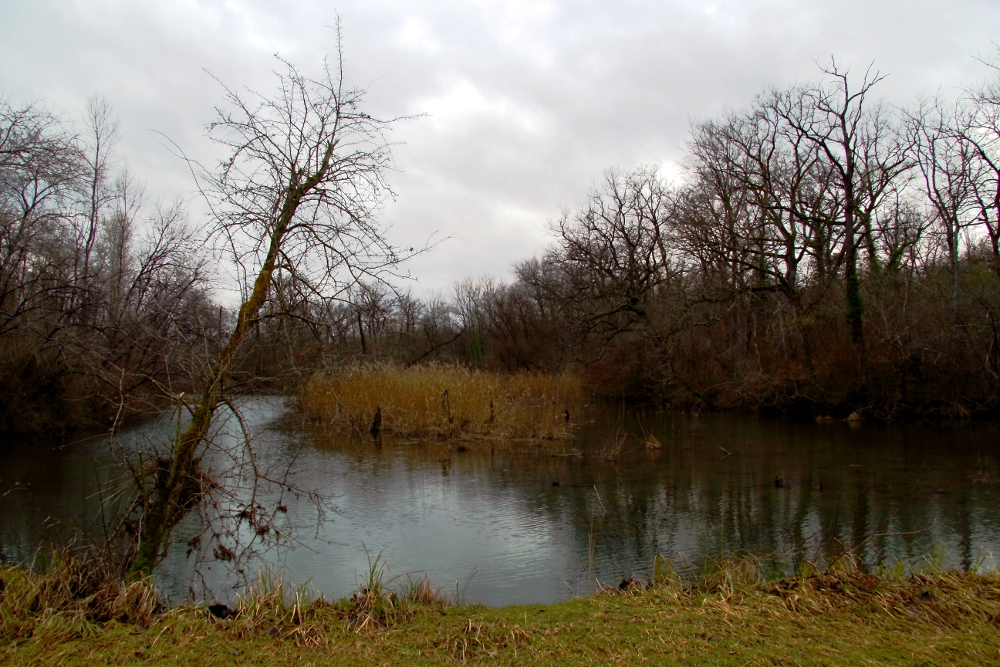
column 798, row 265
column 802, row 182
column 613, row 252
column 823, row 252
column 977, row 127
column 100, row 295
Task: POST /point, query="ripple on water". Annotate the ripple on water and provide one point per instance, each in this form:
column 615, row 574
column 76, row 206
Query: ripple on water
column 523, row 540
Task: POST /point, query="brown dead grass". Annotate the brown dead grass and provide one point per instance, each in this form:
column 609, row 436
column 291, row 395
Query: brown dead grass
column 445, row 401
column 841, row 615
column 64, row 593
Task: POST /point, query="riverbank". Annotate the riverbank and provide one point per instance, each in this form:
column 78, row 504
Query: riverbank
column 839, row 617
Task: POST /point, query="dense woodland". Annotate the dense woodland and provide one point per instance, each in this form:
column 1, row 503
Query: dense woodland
column 103, row 295
column 823, row 253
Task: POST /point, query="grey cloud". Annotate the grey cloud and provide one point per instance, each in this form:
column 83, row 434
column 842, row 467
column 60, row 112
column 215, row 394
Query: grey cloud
column 530, row 101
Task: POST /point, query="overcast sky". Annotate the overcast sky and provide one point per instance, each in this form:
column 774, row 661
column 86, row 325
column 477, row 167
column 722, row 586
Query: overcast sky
column 527, row 103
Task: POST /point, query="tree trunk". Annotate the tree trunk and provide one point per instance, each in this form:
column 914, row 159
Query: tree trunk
column 854, row 307
column 170, row 498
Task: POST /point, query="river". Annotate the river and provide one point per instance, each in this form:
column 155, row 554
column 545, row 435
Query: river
column 499, row 527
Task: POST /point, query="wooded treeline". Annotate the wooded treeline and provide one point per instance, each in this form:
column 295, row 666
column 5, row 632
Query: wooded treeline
column 824, row 253
column 102, row 296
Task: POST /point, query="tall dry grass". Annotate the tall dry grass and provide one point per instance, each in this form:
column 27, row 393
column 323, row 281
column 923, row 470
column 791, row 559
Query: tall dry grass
column 62, row 594
column 445, row 401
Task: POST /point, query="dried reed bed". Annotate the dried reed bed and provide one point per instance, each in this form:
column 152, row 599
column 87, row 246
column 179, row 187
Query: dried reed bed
column 444, row 401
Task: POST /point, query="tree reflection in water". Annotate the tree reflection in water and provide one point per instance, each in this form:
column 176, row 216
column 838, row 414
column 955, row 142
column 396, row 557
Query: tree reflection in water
column 536, row 527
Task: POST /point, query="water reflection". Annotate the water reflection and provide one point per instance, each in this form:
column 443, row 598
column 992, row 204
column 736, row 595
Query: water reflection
column 530, row 527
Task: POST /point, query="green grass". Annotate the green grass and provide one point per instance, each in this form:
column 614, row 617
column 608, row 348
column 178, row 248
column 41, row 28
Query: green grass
column 841, row 616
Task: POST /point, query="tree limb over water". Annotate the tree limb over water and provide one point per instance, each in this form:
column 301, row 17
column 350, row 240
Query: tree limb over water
column 293, row 202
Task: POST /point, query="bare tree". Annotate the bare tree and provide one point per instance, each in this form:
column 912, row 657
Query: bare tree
column 614, row 251
column 297, row 197
column 40, row 165
column 813, row 171
column 977, row 126
column 865, row 153
column 946, row 163
column 99, row 189
column 758, row 206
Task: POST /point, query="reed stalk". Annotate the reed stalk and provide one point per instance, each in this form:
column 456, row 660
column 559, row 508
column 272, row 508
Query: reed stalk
column 444, row 401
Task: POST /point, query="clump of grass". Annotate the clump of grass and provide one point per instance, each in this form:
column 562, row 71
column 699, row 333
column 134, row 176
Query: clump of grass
column 613, row 448
column 928, row 592
column 479, row 640
column 284, row 611
column 931, row 594
column 444, row 401
column 62, row 594
column 726, row 575
column 378, row 604
column 270, row 606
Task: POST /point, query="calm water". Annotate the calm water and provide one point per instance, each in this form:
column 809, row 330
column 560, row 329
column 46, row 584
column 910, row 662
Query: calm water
column 513, row 528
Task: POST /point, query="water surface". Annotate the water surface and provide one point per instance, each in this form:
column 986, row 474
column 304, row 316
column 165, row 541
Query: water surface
column 507, row 527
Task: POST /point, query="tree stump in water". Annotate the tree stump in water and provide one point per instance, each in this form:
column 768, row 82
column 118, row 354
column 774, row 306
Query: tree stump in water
column 376, row 426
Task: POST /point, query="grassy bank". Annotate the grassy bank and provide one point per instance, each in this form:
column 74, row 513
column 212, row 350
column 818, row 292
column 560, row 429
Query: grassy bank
column 444, row 401
column 842, row 616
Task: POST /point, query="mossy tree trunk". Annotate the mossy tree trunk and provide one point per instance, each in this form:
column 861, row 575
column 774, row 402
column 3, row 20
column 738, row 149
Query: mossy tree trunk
column 296, row 198
column 166, row 507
